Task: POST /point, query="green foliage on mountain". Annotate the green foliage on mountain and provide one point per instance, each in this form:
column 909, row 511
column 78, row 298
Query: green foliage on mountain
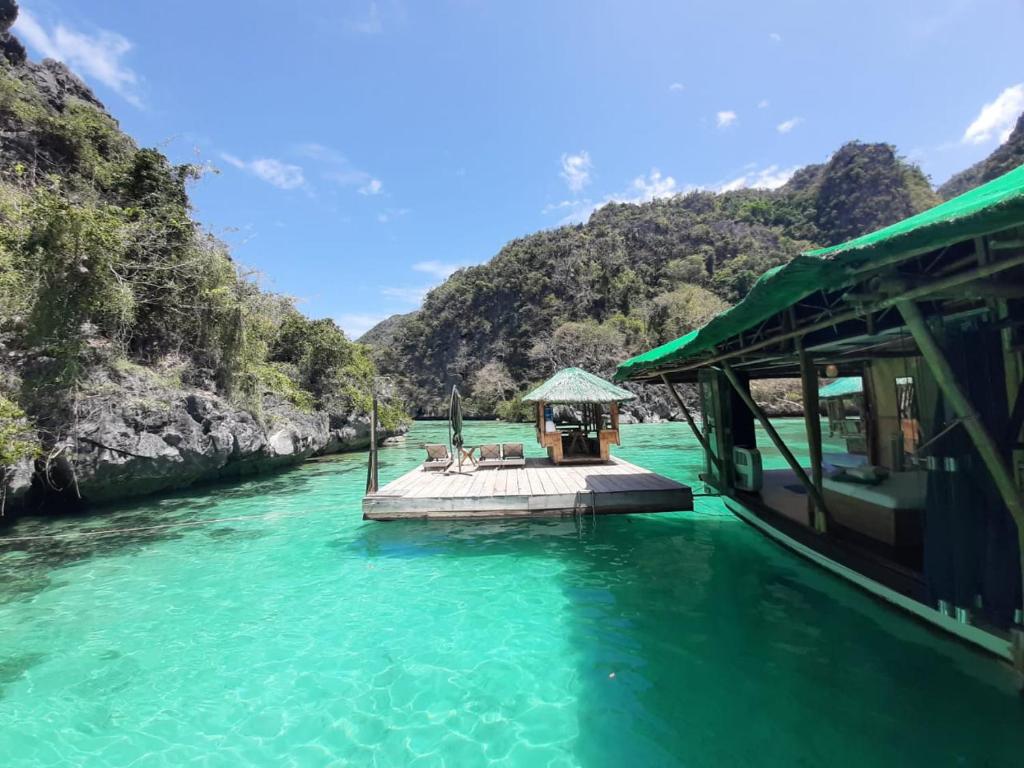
column 632, row 277
column 1006, row 157
column 101, row 263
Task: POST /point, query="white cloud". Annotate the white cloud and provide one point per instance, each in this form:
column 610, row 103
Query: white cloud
column 438, row 269
column 355, row 325
column 762, row 104
column 372, row 187
column 997, row 118
column 391, row 214
column 771, row 177
column 336, row 168
column 775, row 36
column 647, row 188
column 677, row 87
column 411, row 296
column 562, row 205
column 279, row 174
column 642, row 189
column 725, row 118
column 789, row 125
column 371, row 24
column 96, row 57
column 656, row 185
column 576, row 170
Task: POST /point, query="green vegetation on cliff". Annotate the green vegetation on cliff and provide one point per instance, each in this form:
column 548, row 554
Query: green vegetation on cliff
column 632, row 277
column 102, row 263
column 1006, row 157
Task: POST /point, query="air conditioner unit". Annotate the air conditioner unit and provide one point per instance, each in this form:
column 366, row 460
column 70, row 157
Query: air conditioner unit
column 747, row 462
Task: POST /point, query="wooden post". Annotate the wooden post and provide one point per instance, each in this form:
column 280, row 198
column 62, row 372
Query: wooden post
column 983, row 441
column 812, row 420
column 693, row 425
column 759, row 414
column 371, row 469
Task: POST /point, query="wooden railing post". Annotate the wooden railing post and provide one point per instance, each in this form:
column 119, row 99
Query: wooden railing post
column 371, row 469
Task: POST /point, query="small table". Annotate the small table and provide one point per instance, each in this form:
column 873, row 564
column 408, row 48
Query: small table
column 466, row 452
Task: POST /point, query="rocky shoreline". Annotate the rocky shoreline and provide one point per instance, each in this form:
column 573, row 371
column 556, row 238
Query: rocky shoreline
column 137, row 436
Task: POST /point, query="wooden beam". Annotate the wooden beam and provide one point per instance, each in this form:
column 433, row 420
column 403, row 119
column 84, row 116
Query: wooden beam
column 812, row 421
column 693, row 426
column 371, row 469
column 853, row 314
column 958, row 400
column 759, row 414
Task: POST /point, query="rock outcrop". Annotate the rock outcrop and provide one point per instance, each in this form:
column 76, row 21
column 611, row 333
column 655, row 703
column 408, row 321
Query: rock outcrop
column 138, row 435
column 149, row 402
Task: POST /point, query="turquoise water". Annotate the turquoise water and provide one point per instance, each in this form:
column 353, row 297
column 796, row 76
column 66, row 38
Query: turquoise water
column 291, row 633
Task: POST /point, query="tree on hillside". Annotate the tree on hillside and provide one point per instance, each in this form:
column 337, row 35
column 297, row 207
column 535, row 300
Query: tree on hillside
column 680, row 311
column 596, row 347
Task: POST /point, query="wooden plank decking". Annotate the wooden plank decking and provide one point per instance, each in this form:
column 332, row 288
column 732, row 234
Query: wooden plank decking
column 540, row 489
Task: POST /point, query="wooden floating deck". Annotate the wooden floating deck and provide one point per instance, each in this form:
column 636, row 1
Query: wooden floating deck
column 540, row 489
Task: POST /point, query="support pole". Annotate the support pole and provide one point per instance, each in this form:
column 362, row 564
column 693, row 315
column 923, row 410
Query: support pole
column 371, row 469
column 693, row 425
column 812, row 420
column 983, row 441
column 759, row 414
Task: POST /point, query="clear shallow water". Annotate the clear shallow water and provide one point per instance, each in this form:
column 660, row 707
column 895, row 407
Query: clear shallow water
column 300, row 635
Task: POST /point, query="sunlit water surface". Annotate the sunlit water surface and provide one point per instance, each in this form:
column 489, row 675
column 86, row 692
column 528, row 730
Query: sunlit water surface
column 292, row 633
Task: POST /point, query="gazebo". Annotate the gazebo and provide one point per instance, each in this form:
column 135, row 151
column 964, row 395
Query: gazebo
column 838, row 397
column 577, row 416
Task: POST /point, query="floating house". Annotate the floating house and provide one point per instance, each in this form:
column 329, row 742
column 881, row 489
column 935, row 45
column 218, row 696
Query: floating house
column 927, row 315
column 577, row 416
column 577, row 422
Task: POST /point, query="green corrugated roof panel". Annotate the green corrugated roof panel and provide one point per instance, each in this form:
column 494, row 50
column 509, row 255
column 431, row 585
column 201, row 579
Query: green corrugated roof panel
column 574, row 385
column 842, row 387
column 997, row 205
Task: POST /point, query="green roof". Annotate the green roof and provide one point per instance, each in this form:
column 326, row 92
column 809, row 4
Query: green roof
column 574, row 385
column 842, row 387
column 997, row 205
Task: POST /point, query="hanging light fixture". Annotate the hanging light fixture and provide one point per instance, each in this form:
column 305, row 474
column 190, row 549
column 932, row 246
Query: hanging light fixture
column 831, row 371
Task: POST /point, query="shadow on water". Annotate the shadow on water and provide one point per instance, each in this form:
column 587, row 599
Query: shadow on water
column 692, row 645
column 14, row 668
column 33, row 549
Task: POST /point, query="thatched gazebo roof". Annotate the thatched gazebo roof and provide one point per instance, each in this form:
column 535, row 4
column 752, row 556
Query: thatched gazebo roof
column 574, row 385
column 847, row 386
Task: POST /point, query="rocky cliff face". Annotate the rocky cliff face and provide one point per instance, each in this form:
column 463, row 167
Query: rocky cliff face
column 138, row 436
column 163, row 396
column 138, row 433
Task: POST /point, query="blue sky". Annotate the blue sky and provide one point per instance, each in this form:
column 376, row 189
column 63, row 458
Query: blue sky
column 367, row 149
